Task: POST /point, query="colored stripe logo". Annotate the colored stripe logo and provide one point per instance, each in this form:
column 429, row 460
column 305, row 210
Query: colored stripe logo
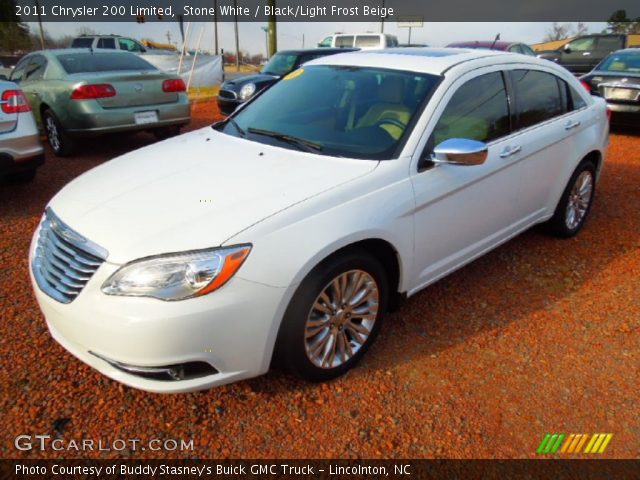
column 574, row 443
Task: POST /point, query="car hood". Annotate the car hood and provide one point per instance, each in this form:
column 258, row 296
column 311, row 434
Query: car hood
column 258, row 79
column 193, row 191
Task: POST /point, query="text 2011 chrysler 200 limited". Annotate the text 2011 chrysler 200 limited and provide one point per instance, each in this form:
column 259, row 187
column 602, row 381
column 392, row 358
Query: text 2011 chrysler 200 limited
column 282, row 234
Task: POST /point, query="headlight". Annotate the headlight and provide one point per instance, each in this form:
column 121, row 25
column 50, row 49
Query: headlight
column 247, row 90
column 177, row 276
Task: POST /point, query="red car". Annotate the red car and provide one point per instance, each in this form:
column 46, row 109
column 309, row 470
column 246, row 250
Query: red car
column 513, row 47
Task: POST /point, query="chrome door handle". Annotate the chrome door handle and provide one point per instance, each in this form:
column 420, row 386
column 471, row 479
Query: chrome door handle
column 571, row 124
column 585, row 54
column 508, row 151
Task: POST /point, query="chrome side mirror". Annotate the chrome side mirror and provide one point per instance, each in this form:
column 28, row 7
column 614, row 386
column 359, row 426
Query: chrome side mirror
column 567, row 48
column 460, row 151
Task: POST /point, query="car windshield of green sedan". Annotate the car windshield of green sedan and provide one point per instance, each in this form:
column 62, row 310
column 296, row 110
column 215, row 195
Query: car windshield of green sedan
column 102, row 62
column 621, row 62
column 355, row 112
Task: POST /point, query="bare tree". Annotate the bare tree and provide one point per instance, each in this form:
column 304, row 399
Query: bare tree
column 84, row 30
column 561, row 31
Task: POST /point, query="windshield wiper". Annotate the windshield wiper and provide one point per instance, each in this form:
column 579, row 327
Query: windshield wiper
column 242, row 133
column 303, row 144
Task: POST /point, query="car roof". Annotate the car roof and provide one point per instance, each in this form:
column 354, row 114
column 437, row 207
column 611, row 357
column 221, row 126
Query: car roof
column 426, row 60
column 319, row 50
column 499, row 45
column 63, row 51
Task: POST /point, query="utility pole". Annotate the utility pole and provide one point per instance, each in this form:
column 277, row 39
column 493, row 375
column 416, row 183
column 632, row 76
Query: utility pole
column 235, row 25
column 266, row 39
column 168, row 37
column 383, row 17
column 273, row 36
column 215, row 26
column 40, row 24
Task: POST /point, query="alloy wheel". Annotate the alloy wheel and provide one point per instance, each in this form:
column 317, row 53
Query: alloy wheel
column 52, row 133
column 579, row 200
column 341, row 319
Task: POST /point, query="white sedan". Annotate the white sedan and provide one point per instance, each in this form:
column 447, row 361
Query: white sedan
column 283, row 234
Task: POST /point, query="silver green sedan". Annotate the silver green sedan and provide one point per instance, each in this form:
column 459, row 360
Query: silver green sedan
column 84, row 92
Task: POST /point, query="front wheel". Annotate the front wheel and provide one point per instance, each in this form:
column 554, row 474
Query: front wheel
column 333, row 317
column 575, row 203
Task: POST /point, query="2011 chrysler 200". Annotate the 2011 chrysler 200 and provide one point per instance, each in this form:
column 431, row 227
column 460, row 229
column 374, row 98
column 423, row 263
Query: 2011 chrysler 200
column 282, row 234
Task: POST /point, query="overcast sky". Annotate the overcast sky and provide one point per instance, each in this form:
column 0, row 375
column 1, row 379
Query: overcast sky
column 290, row 34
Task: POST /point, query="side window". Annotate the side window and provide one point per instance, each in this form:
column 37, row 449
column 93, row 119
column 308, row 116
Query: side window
column 326, row 42
column 18, row 72
column 479, row 110
column 82, row 42
column 609, row 44
column 538, row 97
column 583, row 44
column 527, row 50
column 515, row 48
column 128, row 45
column 35, row 69
column 107, row 43
column 344, row 41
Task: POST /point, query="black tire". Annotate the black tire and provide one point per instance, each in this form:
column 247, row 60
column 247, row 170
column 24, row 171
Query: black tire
column 166, row 132
column 59, row 140
column 560, row 225
column 22, row 177
column 291, row 345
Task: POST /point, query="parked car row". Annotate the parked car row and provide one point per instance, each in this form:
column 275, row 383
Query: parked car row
column 356, row 180
column 77, row 93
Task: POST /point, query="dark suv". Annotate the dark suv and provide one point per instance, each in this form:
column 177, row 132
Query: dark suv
column 237, row 91
column 583, row 53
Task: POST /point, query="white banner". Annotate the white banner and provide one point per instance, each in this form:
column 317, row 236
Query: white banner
column 207, row 71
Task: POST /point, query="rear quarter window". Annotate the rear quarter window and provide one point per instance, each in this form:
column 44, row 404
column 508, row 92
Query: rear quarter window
column 102, row 62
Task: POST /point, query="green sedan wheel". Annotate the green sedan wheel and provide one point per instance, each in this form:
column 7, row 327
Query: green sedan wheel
column 58, row 139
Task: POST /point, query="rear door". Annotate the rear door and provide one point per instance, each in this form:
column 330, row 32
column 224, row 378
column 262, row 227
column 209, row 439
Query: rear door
column 606, row 45
column 549, row 116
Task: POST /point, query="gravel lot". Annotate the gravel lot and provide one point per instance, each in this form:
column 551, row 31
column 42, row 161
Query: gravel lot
column 539, row 336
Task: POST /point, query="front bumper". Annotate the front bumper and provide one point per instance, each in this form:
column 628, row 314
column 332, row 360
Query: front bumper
column 232, row 329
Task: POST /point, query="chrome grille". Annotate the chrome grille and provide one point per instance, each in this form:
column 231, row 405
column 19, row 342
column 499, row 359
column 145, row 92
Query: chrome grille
column 64, row 260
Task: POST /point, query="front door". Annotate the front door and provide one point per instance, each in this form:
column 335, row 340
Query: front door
column 461, row 211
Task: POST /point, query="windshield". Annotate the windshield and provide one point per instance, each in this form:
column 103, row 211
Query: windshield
column 621, row 62
column 356, row 112
column 280, row 64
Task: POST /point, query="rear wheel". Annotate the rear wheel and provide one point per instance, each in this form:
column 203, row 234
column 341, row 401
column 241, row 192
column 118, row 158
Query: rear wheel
column 58, row 138
column 333, row 318
column 575, row 203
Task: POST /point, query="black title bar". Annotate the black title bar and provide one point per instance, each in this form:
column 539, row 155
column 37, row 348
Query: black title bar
column 323, row 10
